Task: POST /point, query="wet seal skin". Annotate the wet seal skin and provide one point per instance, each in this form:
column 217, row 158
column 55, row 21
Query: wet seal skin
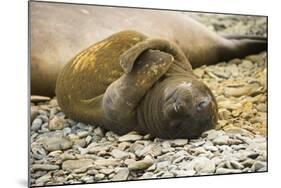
column 59, row 31
column 129, row 82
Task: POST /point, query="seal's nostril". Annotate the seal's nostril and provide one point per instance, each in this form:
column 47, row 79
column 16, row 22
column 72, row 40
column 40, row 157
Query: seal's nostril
column 203, row 104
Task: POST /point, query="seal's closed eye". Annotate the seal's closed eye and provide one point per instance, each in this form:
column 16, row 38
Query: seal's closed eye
column 203, row 104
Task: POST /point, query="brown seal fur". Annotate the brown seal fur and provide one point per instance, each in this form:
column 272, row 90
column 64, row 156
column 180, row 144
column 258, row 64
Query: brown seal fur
column 129, row 82
column 59, row 31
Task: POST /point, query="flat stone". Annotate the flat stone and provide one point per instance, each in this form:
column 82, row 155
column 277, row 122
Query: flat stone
column 37, row 98
column 211, row 148
column 130, row 138
column 180, row 173
column 178, row 142
column 77, row 164
column 121, row 174
column 118, row 154
column 57, row 143
column 108, row 162
column 46, row 167
column 67, row 156
column 221, row 140
column 83, row 134
column 236, row 130
column 212, row 134
column 227, row 171
column 98, row 148
column 147, row 175
column 162, row 164
column 258, row 165
column 167, row 174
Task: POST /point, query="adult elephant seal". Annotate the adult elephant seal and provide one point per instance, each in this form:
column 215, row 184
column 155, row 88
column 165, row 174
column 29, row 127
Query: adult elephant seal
column 59, row 31
column 129, row 82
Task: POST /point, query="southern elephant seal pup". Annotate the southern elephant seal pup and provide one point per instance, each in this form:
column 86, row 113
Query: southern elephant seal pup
column 59, row 31
column 128, row 82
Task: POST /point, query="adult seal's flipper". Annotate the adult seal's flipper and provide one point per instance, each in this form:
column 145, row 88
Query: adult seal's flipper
column 246, row 45
column 128, row 58
column 122, row 96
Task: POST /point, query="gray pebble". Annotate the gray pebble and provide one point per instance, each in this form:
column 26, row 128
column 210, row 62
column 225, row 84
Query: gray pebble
column 163, row 164
column 99, row 132
column 57, row 143
column 204, row 165
column 147, row 175
column 38, row 152
column 46, row 167
column 211, row 148
column 227, row 171
column 178, row 142
column 118, row 154
column 43, row 180
column 99, row 177
column 236, row 165
column 221, row 140
column 87, row 179
column 66, row 131
column 77, row 164
column 36, row 124
column 83, row 134
column 142, row 164
column 121, row 174
column 108, row 162
column 130, row 138
column 258, row 165
column 179, row 173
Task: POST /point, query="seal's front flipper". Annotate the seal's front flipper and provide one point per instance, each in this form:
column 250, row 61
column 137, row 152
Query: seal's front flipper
column 90, row 110
column 122, row 96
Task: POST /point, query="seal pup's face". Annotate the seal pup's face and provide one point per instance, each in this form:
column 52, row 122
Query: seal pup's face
column 189, row 108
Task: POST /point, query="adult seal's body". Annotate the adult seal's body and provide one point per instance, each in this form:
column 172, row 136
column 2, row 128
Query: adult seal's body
column 59, row 31
column 130, row 82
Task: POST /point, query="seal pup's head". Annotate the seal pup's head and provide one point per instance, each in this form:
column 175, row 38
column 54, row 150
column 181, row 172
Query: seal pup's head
column 181, row 108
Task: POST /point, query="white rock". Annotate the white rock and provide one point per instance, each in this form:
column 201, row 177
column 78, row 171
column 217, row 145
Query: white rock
column 121, row 174
column 118, row 154
column 204, row 165
column 77, row 164
column 46, row 167
column 130, row 138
